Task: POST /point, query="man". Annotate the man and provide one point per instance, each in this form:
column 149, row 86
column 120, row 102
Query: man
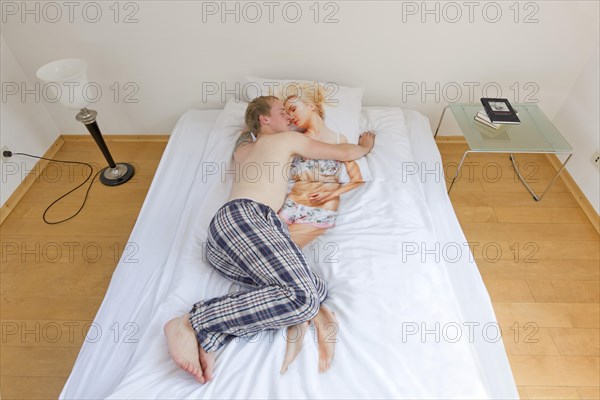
column 250, row 245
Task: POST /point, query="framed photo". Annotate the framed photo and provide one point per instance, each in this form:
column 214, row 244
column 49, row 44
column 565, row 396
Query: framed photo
column 499, row 110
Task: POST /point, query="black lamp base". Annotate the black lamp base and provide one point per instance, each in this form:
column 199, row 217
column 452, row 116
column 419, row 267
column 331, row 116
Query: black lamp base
column 118, row 175
column 114, row 174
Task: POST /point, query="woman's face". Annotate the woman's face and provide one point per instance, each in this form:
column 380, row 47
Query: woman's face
column 299, row 112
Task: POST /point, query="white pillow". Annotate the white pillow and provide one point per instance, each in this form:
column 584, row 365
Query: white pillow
column 231, row 119
column 342, row 107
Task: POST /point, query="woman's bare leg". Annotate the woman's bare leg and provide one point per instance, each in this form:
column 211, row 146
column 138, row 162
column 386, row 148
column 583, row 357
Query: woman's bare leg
column 295, row 337
column 303, row 234
column 327, row 326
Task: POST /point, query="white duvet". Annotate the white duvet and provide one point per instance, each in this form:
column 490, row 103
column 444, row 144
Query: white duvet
column 407, row 329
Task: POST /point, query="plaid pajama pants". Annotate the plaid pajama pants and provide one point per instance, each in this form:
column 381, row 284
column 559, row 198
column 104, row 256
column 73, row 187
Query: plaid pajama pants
column 250, row 245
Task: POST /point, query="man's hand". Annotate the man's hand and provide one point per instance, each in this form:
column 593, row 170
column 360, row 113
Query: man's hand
column 367, row 141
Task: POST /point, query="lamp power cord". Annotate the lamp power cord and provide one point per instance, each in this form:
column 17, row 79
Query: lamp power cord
column 9, row 154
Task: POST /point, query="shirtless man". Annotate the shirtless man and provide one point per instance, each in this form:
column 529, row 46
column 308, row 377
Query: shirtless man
column 250, row 245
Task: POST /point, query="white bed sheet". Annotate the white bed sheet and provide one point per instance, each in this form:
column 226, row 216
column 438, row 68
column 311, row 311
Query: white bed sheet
column 379, row 298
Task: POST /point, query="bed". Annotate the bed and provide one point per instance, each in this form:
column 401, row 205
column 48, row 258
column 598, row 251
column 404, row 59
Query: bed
column 415, row 318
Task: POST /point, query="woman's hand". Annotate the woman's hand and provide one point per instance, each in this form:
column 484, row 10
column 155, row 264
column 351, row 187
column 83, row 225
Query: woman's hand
column 367, row 141
column 320, row 197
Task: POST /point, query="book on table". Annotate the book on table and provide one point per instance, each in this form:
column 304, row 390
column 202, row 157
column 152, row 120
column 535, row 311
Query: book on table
column 482, row 117
column 499, row 111
column 488, row 133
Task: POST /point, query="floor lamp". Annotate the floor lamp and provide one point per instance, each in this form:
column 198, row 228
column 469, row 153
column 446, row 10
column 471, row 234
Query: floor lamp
column 67, row 81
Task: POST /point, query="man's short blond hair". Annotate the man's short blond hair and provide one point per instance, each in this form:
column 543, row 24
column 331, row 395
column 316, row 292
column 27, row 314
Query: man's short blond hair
column 257, row 107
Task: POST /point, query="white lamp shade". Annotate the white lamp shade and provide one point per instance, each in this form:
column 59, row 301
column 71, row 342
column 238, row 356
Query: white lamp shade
column 67, row 81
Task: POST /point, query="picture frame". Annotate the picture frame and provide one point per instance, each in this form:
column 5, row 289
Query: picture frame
column 500, row 110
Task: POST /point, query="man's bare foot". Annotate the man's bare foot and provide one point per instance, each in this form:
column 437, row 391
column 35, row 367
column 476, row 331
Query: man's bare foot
column 295, row 337
column 185, row 351
column 327, row 327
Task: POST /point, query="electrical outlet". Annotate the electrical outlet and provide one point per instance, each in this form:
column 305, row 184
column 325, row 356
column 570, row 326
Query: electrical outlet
column 596, row 159
column 4, row 148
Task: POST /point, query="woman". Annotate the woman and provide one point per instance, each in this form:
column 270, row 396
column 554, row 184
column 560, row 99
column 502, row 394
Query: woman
column 314, row 198
column 311, row 206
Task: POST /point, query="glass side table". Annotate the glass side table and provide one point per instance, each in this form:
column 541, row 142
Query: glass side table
column 535, row 134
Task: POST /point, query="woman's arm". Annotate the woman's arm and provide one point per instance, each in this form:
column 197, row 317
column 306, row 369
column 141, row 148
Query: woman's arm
column 317, row 197
column 353, row 171
column 356, row 180
column 355, row 176
column 346, row 188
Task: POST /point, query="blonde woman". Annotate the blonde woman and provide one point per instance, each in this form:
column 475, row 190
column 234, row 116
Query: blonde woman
column 311, row 205
column 312, row 202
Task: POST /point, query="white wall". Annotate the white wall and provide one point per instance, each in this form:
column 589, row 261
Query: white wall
column 579, row 121
column 24, row 127
column 163, row 54
column 389, row 47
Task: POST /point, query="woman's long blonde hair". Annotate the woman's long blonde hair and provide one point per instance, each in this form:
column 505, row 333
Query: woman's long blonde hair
column 309, row 92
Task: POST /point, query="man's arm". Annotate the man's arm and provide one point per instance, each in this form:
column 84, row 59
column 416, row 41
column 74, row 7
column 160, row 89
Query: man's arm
column 244, row 139
column 309, row 148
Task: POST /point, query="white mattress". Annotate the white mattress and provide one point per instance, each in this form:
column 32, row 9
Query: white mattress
column 401, row 309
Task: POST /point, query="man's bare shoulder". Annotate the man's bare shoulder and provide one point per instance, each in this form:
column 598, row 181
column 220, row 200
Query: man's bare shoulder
column 285, row 138
column 244, row 139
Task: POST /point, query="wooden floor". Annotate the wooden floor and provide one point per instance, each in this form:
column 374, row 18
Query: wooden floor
column 539, row 261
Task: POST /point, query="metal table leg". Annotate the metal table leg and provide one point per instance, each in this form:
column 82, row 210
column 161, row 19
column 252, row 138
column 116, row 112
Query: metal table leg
column 458, row 170
column 535, row 196
column 440, row 122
